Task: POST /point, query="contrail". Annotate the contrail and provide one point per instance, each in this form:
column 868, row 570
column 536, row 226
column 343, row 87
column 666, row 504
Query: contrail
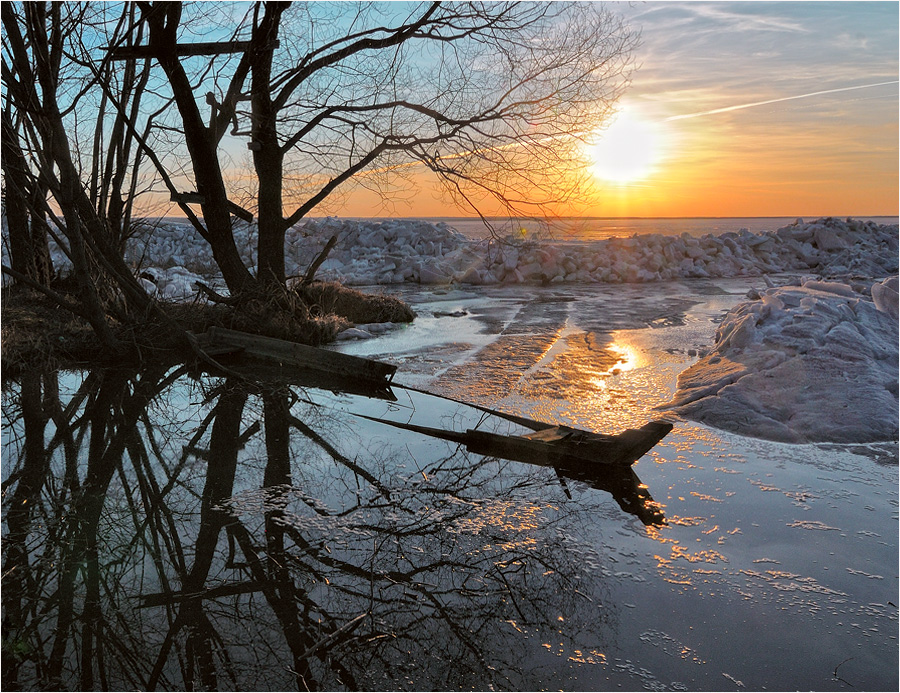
column 786, row 98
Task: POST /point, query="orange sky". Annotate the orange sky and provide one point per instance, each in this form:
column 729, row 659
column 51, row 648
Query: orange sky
column 751, row 109
column 796, row 152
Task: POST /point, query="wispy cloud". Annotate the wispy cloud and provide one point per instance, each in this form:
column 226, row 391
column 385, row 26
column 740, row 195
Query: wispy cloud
column 738, row 107
column 726, row 19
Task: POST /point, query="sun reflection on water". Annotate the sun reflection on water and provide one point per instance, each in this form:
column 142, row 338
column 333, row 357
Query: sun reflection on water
column 629, row 358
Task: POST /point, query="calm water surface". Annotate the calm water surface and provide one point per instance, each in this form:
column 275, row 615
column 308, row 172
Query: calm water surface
column 172, row 530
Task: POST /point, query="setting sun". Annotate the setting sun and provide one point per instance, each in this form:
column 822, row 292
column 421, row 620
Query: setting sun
column 627, row 151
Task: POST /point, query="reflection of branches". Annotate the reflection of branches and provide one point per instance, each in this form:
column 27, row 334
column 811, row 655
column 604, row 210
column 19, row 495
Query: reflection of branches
column 110, row 413
column 335, row 455
column 230, row 543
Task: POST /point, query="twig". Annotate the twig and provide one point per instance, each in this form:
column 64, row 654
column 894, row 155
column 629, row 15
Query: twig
column 348, row 626
column 311, row 272
column 215, row 296
column 838, row 667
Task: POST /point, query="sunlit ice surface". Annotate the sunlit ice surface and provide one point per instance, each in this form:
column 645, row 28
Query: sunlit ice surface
column 629, row 150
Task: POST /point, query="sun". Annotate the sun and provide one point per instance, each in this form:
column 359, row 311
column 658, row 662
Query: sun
column 627, row 151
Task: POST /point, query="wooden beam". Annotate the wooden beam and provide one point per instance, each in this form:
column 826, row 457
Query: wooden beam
column 240, row 212
column 298, row 355
column 192, row 198
column 189, row 198
column 184, row 49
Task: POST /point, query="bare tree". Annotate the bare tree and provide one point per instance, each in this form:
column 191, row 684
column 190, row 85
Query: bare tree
column 82, row 196
column 491, row 97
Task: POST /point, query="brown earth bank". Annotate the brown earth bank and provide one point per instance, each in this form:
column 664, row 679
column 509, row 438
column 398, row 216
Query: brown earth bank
column 35, row 332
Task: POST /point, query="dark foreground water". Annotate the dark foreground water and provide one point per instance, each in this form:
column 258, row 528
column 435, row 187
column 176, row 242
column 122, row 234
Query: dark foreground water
column 172, row 530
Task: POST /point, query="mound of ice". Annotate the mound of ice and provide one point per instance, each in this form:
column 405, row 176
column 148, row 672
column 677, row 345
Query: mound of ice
column 809, row 363
column 381, row 252
column 174, row 283
column 402, row 250
column 414, row 251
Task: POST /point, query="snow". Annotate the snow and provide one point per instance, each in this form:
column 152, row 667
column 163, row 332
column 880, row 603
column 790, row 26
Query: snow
column 813, row 362
column 405, row 251
column 409, row 251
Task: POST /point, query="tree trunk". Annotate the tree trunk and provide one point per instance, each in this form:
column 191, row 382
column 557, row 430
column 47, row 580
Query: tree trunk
column 163, row 20
column 268, row 157
column 28, row 248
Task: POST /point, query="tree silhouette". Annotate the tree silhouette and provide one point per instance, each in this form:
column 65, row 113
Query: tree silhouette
column 492, row 98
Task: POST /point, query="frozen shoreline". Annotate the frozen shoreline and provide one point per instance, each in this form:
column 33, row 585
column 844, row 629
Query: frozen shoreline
column 404, row 251
column 800, row 364
column 812, row 362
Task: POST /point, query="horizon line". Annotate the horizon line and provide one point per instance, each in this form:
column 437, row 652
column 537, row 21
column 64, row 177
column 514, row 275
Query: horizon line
column 538, row 218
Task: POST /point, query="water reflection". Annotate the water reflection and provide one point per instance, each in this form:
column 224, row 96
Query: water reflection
column 165, row 530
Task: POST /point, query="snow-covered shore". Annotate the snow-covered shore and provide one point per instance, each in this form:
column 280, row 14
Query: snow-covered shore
column 815, row 361
column 811, row 363
column 408, row 251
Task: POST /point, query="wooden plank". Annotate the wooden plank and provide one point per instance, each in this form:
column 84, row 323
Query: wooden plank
column 193, row 198
column 190, row 198
column 617, row 478
column 521, row 420
column 240, row 212
column 299, row 355
column 559, row 445
column 185, row 49
column 562, row 444
column 558, row 434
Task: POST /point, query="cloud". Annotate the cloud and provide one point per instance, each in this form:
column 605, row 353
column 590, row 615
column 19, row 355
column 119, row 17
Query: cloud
column 752, row 20
column 780, row 99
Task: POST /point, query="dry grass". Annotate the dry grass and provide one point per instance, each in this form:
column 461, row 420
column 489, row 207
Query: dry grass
column 36, row 333
column 332, row 298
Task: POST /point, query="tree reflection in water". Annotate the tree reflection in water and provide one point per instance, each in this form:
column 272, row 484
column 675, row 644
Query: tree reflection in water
column 168, row 532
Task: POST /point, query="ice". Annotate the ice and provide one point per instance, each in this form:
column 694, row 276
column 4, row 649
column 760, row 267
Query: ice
column 810, row 363
column 885, row 296
column 408, row 251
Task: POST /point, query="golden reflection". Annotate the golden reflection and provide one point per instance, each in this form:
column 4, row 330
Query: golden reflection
column 592, row 657
column 628, row 358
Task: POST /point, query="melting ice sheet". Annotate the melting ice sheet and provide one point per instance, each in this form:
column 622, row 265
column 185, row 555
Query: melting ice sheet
column 810, row 363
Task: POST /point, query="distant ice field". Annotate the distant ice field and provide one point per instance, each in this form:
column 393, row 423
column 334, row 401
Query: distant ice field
column 598, row 228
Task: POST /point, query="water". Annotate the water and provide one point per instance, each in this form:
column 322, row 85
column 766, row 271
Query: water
column 174, row 530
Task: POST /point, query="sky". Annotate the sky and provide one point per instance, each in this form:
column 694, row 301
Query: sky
column 743, row 109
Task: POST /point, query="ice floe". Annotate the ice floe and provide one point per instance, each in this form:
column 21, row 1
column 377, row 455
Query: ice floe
column 810, row 363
